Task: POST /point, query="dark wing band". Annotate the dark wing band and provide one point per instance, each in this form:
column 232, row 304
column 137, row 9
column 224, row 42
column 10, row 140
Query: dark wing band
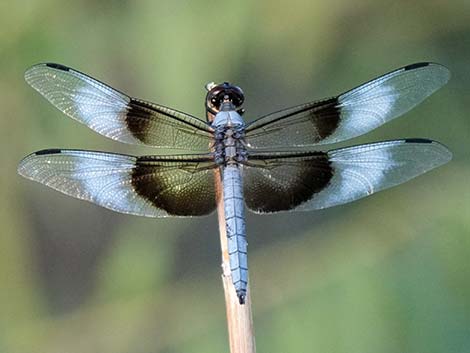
column 146, row 186
column 316, row 180
column 351, row 114
column 116, row 115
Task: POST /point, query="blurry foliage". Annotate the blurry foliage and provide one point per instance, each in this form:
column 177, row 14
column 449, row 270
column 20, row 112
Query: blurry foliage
column 386, row 274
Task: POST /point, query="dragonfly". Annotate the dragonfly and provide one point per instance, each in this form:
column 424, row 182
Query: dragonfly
column 273, row 164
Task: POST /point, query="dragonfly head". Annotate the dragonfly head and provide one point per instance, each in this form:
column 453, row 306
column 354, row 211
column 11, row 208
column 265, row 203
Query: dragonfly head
column 224, row 96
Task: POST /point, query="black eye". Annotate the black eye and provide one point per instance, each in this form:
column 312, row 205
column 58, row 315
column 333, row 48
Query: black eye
column 217, row 95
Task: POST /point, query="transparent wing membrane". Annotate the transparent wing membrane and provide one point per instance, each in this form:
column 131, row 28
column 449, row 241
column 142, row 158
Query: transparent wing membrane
column 316, row 180
column 116, row 115
column 350, row 114
column 146, row 186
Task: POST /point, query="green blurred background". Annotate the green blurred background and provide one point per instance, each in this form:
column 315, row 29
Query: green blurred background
column 389, row 273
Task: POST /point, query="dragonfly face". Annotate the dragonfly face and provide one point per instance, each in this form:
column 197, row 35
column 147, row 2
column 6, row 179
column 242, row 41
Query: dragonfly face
column 231, row 95
column 224, row 93
column 268, row 165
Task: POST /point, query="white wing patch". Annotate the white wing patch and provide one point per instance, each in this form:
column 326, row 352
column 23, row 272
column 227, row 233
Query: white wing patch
column 103, row 110
column 357, row 105
column 359, row 174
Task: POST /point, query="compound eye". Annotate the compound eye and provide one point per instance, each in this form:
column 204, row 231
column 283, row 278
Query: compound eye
column 216, row 100
column 236, row 101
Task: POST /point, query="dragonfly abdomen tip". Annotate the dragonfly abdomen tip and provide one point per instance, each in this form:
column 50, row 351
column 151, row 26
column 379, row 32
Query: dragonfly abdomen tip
column 241, row 294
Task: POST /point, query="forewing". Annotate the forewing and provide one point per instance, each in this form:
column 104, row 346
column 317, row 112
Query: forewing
column 146, row 186
column 310, row 181
column 116, row 115
column 350, row 114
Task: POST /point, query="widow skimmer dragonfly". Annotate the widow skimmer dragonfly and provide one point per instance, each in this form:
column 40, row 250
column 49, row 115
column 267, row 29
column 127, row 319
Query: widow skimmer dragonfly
column 269, row 165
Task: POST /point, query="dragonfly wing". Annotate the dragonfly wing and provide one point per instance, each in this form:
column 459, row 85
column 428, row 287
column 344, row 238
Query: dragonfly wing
column 350, row 114
column 146, row 186
column 116, row 115
column 305, row 181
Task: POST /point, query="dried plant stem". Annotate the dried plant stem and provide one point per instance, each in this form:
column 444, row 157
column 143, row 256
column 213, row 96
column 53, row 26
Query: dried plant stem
column 239, row 317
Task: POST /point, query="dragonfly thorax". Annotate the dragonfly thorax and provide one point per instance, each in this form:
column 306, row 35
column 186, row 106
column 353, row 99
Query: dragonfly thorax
column 227, row 118
column 229, row 146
